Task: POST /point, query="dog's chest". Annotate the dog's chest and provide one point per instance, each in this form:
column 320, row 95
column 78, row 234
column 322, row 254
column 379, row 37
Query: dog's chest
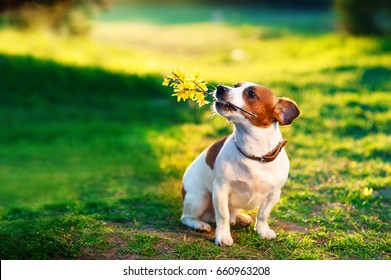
column 254, row 183
column 248, row 195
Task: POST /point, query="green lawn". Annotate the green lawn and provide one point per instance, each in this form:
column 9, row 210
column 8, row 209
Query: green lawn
column 93, row 148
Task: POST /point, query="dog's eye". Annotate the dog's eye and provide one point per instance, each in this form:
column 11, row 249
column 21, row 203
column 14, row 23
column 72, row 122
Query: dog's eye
column 251, row 94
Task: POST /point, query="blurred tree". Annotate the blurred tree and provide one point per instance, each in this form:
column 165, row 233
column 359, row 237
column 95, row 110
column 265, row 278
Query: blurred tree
column 70, row 16
column 289, row 4
column 363, row 17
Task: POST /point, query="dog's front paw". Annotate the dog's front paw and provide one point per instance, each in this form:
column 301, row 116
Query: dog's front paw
column 264, row 231
column 225, row 240
column 267, row 233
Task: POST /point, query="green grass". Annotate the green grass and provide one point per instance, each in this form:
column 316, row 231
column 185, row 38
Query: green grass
column 93, row 148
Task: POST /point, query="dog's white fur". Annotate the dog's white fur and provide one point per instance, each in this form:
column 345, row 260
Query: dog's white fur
column 235, row 182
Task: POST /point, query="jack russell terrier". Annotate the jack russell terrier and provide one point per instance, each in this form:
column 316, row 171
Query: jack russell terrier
column 243, row 171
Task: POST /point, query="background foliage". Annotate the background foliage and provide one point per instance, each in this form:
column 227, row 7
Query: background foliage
column 66, row 16
column 355, row 17
column 360, row 17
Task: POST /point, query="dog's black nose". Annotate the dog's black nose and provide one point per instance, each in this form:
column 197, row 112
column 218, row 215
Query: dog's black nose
column 221, row 91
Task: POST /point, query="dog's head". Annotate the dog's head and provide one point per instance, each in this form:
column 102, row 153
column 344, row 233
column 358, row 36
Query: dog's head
column 257, row 100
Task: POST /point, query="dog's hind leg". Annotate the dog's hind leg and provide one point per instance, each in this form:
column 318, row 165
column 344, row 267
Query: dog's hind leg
column 195, row 204
column 244, row 220
column 235, row 217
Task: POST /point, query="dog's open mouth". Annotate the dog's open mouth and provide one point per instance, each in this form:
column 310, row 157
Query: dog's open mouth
column 225, row 106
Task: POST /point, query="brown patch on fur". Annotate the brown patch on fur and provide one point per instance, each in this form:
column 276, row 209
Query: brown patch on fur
column 213, row 151
column 261, row 104
column 268, row 108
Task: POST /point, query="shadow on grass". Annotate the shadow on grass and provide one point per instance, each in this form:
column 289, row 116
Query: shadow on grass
column 75, row 152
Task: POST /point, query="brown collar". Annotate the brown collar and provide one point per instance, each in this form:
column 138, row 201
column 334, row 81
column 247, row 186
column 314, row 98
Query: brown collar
column 270, row 156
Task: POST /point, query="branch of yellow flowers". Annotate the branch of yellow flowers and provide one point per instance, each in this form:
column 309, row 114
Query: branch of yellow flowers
column 189, row 86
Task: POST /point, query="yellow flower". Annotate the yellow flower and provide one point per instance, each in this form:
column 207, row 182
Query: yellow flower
column 166, row 82
column 178, row 73
column 367, row 192
column 187, row 86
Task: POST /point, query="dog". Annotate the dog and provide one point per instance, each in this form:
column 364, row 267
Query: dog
column 243, row 171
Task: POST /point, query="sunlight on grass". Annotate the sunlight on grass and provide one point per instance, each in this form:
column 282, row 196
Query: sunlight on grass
column 179, row 144
column 208, row 48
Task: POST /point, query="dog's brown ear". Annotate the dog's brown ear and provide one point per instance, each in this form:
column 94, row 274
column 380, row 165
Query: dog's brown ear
column 285, row 111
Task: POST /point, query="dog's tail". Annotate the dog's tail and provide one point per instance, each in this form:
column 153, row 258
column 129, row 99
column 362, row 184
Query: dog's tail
column 183, row 191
